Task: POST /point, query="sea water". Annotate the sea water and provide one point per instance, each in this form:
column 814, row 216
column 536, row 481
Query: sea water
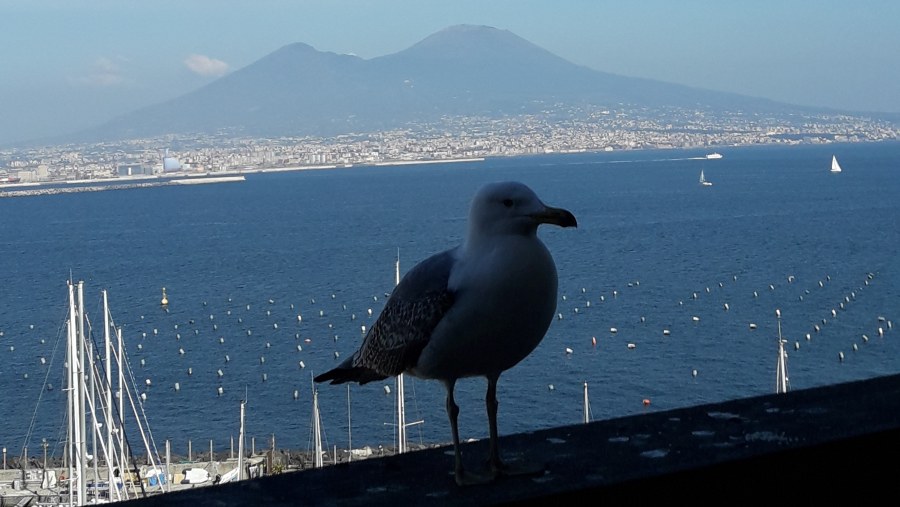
column 667, row 294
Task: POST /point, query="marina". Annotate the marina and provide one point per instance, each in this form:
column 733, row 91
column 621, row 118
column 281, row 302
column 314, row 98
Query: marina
column 667, row 294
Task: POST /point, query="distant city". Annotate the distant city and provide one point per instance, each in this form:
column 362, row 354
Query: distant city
column 562, row 130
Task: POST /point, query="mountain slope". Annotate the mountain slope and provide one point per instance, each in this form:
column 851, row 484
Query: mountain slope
column 461, row 70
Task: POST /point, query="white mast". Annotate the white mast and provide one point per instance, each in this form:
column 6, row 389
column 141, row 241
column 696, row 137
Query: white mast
column 72, row 380
column 349, row 428
column 123, row 459
column 241, row 445
column 82, row 441
column 587, row 405
column 781, row 378
column 401, row 398
column 317, row 430
column 107, row 345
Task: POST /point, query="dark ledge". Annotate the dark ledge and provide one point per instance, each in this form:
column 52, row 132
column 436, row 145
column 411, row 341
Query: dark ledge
column 815, row 444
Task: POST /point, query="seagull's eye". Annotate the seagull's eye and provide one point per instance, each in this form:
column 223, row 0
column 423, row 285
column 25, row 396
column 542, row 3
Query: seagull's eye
column 508, row 203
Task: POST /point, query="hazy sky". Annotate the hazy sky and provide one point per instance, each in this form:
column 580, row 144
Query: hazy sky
column 67, row 64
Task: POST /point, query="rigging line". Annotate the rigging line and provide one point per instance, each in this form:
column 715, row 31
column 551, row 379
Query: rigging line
column 140, row 402
column 416, row 407
column 30, row 431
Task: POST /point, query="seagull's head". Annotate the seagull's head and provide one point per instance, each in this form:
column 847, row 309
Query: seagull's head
column 512, row 208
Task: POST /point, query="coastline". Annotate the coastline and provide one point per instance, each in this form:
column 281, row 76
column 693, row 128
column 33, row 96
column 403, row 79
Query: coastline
column 184, row 178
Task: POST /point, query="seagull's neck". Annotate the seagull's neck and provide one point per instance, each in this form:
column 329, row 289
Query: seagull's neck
column 480, row 239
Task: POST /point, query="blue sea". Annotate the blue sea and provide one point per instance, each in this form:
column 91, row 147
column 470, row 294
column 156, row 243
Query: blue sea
column 689, row 276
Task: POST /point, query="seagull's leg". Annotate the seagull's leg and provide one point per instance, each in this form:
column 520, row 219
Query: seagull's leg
column 463, row 477
column 491, row 402
column 498, row 467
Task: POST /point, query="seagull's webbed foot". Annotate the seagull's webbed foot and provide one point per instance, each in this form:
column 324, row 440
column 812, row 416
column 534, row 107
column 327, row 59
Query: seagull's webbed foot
column 515, row 468
column 499, row 468
column 468, row 478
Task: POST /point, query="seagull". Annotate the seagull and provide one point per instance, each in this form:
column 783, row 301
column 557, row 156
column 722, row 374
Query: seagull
column 475, row 310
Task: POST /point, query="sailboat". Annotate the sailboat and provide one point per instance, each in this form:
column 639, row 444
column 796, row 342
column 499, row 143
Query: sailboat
column 99, row 460
column 703, row 181
column 835, row 167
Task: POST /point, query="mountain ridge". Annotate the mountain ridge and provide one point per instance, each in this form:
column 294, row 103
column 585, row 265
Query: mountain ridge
column 461, row 70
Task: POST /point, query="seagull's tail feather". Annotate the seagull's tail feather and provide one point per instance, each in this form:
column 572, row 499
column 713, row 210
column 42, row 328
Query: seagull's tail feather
column 343, row 374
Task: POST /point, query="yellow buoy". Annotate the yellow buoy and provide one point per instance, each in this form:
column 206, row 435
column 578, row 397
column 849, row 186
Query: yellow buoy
column 164, row 301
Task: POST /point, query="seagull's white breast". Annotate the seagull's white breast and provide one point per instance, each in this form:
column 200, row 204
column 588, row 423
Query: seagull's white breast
column 505, row 300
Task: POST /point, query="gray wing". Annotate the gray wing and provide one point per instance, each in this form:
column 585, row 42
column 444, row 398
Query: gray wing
column 404, row 326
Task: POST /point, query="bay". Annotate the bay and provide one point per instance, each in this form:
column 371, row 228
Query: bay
column 654, row 251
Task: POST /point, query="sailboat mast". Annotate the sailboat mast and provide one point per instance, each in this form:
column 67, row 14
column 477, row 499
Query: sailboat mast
column 82, row 441
column 241, row 445
column 781, row 379
column 107, row 351
column 317, row 430
column 401, row 397
column 587, row 406
column 349, row 429
column 72, row 398
column 123, row 458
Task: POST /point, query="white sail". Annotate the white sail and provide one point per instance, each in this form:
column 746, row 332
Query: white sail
column 703, row 180
column 835, row 167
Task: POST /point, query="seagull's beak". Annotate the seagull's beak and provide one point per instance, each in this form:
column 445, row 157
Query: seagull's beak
column 555, row 216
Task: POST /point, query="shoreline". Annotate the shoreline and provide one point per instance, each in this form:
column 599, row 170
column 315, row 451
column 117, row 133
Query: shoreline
column 185, row 178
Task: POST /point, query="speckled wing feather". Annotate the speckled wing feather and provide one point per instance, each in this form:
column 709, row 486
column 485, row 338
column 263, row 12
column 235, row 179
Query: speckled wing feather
column 404, row 327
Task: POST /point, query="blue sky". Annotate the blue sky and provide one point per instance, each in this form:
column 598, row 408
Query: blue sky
column 68, row 64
